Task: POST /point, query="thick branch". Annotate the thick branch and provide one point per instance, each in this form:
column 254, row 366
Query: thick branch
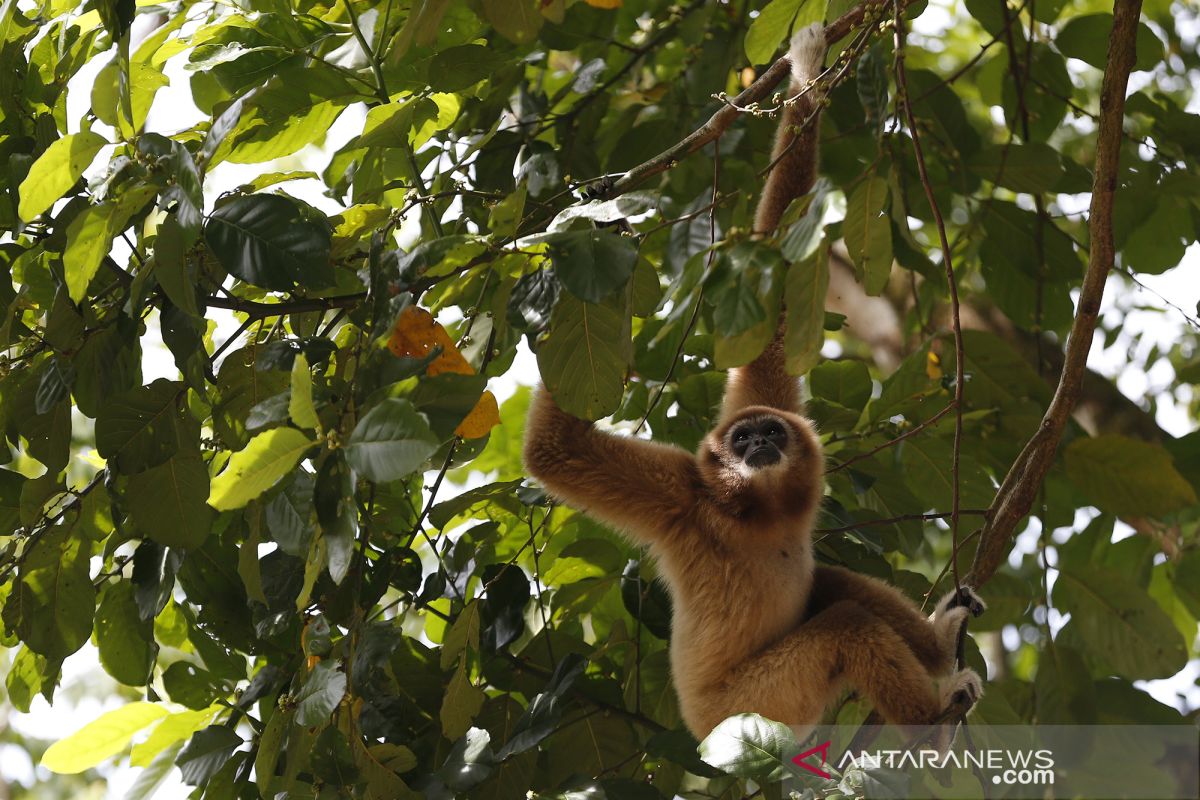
column 754, row 93
column 1024, row 478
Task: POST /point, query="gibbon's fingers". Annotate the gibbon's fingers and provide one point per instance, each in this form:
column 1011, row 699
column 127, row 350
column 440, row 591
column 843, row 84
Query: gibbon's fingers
column 637, row 486
column 951, row 615
column 793, row 680
column 831, row 584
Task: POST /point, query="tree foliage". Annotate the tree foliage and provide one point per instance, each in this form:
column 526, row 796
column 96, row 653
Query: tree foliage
column 307, row 546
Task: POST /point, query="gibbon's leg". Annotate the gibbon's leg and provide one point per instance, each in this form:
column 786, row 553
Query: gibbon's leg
column 765, row 381
column 951, row 614
column 794, row 680
column 633, row 484
column 925, row 639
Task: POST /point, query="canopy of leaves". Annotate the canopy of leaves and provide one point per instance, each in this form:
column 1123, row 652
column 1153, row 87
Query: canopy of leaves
column 264, row 263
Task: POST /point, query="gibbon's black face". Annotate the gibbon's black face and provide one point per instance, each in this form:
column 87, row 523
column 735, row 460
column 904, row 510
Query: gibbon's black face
column 759, row 441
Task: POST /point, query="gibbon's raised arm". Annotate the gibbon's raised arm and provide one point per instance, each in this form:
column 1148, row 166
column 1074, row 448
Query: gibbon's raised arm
column 632, row 484
column 765, row 381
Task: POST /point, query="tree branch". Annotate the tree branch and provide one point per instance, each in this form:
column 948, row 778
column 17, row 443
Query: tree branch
column 755, row 92
column 1024, row 478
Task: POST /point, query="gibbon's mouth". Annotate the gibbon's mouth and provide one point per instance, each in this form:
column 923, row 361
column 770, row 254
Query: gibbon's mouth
column 763, row 456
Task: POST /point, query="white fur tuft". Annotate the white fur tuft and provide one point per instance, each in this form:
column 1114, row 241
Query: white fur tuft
column 807, row 53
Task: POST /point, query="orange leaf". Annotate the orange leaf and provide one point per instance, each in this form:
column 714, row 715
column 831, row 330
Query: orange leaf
column 604, row 3
column 483, row 417
column 416, row 334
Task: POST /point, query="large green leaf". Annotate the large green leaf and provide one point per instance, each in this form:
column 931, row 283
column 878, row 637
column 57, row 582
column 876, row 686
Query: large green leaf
column 806, row 285
column 320, row 694
column 1034, row 167
column 52, row 606
column 1120, row 622
column 584, row 357
column 143, row 427
column 592, row 264
column 168, row 502
column 867, row 232
column 250, row 472
column 1127, row 476
column 125, row 642
column 393, row 440
column 750, row 746
column 101, row 738
column 1087, row 37
column 264, row 239
column 56, row 171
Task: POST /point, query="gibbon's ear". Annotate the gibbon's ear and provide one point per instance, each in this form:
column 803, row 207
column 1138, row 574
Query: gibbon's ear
column 793, row 168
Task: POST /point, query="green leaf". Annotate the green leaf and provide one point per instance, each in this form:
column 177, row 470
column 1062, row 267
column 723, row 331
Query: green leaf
column 320, row 694
column 170, row 266
column 168, row 503
column 458, row 68
column 1127, row 477
column 592, row 264
column 867, row 232
column 89, row 238
column 462, row 634
column 460, row 702
column 1086, row 38
column 393, row 440
column 804, row 292
column 771, row 25
column 144, row 427
column 1035, row 167
column 125, row 642
column 56, row 170
column 1120, row 622
column 584, row 357
column 266, row 241
column 173, row 729
column 750, row 746
column 55, row 598
column 516, row 20
column 101, row 738
column 300, row 402
column 847, row 383
column 207, row 753
column 802, row 237
column 250, row 472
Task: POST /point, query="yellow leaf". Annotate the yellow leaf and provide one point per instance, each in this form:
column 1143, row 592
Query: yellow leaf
column 604, row 3
column 416, row 334
column 101, row 738
column 933, row 366
column 483, row 417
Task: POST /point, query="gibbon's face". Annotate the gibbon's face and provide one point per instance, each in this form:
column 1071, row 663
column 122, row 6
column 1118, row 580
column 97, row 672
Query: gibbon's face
column 762, row 449
column 759, row 441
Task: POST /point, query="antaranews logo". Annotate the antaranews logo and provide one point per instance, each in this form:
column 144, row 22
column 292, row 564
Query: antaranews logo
column 1010, row 767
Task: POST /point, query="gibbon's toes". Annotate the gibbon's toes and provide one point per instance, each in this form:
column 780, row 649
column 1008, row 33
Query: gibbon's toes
column 807, row 51
column 963, row 686
column 598, row 188
column 966, row 598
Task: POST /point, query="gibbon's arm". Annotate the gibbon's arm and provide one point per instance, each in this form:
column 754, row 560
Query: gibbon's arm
column 765, row 381
column 637, row 486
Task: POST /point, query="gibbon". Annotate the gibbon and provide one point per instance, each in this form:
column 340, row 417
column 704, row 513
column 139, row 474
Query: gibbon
column 757, row 626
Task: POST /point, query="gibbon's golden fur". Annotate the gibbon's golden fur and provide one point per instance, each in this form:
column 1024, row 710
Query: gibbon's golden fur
column 757, row 626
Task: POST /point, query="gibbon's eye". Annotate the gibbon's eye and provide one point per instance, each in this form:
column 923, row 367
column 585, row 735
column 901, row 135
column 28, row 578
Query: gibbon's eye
column 773, row 430
column 741, row 436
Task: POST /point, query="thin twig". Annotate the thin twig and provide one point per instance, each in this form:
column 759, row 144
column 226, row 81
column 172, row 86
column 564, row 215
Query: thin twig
column 956, row 322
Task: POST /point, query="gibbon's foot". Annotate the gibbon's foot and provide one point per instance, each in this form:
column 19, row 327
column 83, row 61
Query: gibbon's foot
column 807, row 52
column 963, row 686
column 966, row 598
column 598, row 189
